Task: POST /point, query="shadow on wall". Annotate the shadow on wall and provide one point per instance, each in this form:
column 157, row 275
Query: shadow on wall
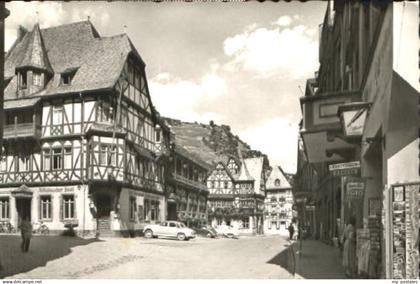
column 42, row 249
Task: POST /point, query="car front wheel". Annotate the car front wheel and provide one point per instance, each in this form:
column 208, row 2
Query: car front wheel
column 148, row 234
column 181, row 236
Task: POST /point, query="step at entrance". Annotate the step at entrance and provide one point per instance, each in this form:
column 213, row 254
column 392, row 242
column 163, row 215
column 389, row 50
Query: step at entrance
column 104, row 227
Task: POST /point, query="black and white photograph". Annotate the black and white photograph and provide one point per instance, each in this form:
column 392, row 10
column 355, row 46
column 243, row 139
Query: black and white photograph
column 209, row 140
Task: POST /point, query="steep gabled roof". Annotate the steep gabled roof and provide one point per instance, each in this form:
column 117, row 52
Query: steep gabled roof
column 255, row 167
column 224, row 168
column 35, row 55
column 191, row 156
column 99, row 60
column 277, row 174
column 244, row 173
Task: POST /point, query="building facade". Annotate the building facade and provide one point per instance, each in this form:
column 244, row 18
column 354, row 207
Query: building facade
column 278, row 203
column 237, row 192
column 80, row 136
column 360, row 127
column 186, row 188
column 306, row 183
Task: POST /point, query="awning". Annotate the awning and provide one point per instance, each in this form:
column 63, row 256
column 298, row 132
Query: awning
column 21, row 103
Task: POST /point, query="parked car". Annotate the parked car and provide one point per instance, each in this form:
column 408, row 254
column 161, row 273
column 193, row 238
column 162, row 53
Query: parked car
column 169, row 229
column 227, row 231
column 206, row 231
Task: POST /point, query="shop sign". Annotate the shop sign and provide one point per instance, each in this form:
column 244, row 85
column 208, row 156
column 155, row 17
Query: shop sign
column 300, row 199
column 355, row 190
column 345, row 169
column 47, row 189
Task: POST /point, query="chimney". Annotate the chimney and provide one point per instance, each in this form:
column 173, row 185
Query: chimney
column 21, row 32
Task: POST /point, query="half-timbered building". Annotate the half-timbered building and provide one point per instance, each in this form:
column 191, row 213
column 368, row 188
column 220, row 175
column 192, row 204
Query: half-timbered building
column 82, row 143
column 237, row 192
column 278, row 203
column 186, row 188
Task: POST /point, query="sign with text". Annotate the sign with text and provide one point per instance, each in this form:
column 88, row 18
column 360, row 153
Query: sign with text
column 355, row 188
column 354, row 121
column 345, row 169
column 375, row 206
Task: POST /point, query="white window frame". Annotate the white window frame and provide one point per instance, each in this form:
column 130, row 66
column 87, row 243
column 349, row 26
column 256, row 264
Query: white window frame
column 48, row 204
column 69, row 206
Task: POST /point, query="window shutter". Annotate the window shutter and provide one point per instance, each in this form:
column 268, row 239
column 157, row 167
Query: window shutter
column 61, row 208
column 52, row 207
column 39, row 208
column 75, row 206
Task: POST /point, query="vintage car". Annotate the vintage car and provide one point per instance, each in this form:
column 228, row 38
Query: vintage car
column 206, row 231
column 169, row 229
column 227, row 231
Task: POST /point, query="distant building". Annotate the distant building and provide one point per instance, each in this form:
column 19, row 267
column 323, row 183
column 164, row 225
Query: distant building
column 186, row 187
column 278, row 203
column 237, row 192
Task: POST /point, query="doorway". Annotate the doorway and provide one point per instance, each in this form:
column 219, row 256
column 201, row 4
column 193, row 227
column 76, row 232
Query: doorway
column 23, row 208
column 104, row 206
column 172, row 215
column 103, row 209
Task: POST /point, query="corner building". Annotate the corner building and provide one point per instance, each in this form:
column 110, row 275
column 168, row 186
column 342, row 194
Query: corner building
column 360, row 131
column 82, row 142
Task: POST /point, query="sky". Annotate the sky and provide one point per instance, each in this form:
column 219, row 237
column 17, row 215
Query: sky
column 240, row 64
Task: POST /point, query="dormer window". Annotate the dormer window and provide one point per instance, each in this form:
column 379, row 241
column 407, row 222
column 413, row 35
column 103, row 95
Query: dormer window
column 157, row 132
column 23, row 83
column 37, row 79
column 68, row 75
column 66, row 79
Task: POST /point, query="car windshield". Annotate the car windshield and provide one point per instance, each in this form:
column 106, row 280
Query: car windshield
column 182, row 225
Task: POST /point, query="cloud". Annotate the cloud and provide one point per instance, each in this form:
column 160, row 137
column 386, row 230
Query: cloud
column 178, row 98
column 49, row 14
column 283, row 21
column 267, row 52
column 25, row 14
column 277, row 138
column 98, row 15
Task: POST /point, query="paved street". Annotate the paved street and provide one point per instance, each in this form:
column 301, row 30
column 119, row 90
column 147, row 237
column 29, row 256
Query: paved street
column 263, row 257
column 65, row 257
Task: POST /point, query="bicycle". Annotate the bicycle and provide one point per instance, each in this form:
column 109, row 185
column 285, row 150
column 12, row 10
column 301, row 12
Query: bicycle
column 41, row 229
column 10, row 229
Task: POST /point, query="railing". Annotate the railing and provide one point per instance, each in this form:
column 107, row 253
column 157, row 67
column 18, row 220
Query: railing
column 28, row 177
column 190, row 214
column 189, row 182
column 19, row 130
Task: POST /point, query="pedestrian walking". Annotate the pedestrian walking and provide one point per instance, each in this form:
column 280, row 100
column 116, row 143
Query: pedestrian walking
column 26, row 234
column 349, row 250
column 291, row 231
